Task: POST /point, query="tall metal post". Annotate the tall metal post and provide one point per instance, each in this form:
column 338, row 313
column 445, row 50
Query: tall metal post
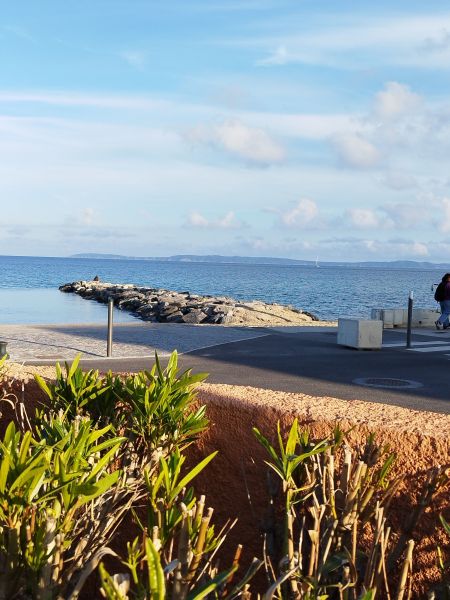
column 410, row 312
column 110, row 327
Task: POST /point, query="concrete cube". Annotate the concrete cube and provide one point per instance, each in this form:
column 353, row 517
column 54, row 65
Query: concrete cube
column 424, row 317
column 388, row 318
column 363, row 334
column 399, row 318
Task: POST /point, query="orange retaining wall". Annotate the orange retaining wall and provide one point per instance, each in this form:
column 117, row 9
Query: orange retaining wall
column 235, row 480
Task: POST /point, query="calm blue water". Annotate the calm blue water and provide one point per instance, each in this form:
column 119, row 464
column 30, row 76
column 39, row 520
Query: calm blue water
column 29, row 286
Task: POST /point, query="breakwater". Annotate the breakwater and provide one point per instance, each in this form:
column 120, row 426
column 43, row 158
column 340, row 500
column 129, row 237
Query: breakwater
column 166, row 306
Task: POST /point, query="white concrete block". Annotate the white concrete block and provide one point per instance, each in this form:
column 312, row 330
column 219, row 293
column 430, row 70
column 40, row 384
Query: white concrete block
column 424, row 317
column 363, row 334
column 399, row 318
column 388, row 318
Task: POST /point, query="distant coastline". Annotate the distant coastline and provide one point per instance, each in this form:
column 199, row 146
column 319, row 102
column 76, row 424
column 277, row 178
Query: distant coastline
column 266, row 260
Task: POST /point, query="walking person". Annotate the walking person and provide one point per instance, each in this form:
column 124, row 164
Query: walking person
column 442, row 295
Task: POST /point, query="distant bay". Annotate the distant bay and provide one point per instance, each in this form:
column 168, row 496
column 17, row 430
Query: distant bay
column 29, row 286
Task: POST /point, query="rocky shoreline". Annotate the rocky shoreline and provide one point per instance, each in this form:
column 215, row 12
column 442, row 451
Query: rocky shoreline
column 165, row 306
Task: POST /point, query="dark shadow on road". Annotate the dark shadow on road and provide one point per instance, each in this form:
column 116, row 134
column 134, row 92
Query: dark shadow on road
column 310, row 362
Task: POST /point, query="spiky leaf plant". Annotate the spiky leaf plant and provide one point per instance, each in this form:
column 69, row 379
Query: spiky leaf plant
column 58, row 493
column 176, row 556
column 332, row 495
column 160, row 403
column 75, row 392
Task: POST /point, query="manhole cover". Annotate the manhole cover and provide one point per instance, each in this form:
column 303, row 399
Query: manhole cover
column 385, row 382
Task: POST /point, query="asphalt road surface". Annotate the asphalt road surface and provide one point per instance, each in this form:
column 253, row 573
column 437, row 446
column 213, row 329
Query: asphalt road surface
column 310, row 362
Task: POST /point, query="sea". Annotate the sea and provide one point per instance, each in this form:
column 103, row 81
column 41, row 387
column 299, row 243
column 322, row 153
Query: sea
column 29, row 286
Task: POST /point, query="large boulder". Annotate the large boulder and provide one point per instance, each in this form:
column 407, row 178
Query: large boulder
column 194, row 316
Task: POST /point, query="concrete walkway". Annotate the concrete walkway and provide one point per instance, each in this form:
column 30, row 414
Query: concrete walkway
column 130, row 340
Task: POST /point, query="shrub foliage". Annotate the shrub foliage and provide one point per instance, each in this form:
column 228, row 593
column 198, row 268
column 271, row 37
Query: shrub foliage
column 105, row 449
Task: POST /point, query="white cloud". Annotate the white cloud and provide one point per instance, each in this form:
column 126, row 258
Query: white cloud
column 406, row 215
column 279, row 57
column 363, row 218
column 419, row 249
column 63, row 98
column 355, row 151
column 195, row 219
column 428, row 211
column 250, row 143
column 389, row 39
column 396, row 100
column 303, row 214
column 371, row 249
column 228, row 221
column 310, row 126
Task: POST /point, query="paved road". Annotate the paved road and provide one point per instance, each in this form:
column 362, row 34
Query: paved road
column 308, row 360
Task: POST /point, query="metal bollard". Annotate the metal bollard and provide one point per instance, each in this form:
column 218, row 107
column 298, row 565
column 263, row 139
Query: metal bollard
column 410, row 311
column 110, row 327
column 3, row 351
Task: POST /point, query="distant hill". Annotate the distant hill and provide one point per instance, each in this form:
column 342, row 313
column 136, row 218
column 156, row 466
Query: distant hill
column 210, row 258
column 248, row 260
column 97, row 256
column 268, row 260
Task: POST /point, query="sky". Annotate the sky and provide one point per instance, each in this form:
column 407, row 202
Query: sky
column 290, row 128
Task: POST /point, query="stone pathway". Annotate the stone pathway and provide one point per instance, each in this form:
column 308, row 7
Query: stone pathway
column 59, row 342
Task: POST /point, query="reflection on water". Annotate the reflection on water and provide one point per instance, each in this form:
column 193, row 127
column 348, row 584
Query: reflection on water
column 45, row 306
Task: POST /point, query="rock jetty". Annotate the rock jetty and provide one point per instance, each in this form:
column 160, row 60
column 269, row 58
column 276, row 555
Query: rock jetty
column 165, row 306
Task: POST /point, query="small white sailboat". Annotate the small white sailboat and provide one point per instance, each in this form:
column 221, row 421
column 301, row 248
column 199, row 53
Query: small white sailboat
column 317, row 262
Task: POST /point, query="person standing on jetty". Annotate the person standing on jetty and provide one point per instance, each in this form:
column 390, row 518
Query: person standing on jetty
column 442, row 295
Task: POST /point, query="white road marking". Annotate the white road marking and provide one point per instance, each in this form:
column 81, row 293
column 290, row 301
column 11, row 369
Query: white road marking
column 433, row 334
column 400, row 344
column 430, row 349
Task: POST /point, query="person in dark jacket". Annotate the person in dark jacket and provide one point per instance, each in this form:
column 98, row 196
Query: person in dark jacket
column 443, row 321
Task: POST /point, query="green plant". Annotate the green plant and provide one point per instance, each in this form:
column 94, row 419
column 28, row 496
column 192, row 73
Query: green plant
column 74, row 392
column 331, row 495
column 84, row 478
column 112, row 446
column 154, row 408
column 169, row 495
column 160, row 402
column 177, row 554
column 59, row 504
column 442, row 590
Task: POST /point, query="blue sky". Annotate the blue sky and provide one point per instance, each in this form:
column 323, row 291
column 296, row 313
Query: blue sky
column 263, row 128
